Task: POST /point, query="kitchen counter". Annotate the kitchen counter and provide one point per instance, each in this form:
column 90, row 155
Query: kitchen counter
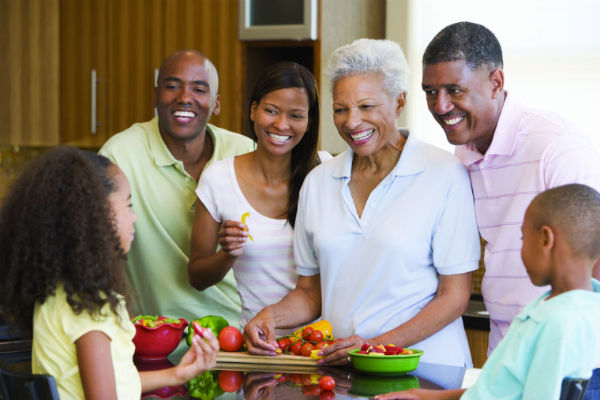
column 274, row 381
column 476, row 316
column 296, row 382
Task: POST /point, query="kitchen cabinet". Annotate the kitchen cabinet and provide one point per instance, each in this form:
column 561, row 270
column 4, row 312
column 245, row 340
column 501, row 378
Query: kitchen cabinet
column 111, row 51
column 29, row 67
column 478, row 344
column 476, row 321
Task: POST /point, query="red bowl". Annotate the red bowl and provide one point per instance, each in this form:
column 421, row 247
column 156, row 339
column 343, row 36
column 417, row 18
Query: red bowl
column 157, row 342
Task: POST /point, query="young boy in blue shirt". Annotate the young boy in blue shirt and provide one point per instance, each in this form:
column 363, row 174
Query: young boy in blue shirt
column 556, row 336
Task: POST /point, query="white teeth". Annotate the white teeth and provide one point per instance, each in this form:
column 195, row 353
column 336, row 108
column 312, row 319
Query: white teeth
column 452, row 121
column 279, row 138
column 362, row 135
column 187, row 114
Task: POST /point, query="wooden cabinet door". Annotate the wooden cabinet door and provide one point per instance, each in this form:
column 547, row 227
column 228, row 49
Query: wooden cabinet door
column 211, row 26
column 121, row 42
column 29, row 71
column 83, row 51
column 135, row 50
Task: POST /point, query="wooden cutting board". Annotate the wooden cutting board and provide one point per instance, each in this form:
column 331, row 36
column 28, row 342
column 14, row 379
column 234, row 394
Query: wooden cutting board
column 280, row 359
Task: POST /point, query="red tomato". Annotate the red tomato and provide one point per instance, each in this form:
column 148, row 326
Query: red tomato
column 231, row 339
column 284, row 343
column 315, row 390
column 321, row 345
column 230, row 381
column 305, row 379
column 316, row 336
column 327, row 395
column 296, row 379
column 306, row 332
column 295, row 348
column 306, row 349
column 327, row 383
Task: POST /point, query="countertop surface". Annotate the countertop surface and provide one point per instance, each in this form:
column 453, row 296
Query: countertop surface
column 476, row 316
column 251, row 381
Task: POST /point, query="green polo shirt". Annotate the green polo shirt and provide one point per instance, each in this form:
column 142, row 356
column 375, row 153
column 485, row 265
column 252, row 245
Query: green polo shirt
column 163, row 198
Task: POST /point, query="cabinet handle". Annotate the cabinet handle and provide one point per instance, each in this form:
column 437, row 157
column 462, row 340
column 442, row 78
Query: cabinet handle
column 94, row 87
column 155, row 85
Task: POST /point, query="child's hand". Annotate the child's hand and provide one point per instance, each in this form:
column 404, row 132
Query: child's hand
column 201, row 356
column 232, row 237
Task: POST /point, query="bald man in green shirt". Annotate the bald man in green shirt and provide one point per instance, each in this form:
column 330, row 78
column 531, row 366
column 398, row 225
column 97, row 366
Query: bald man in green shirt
column 163, row 159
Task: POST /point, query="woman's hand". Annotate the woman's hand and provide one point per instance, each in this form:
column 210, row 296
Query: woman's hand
column 201, row 356
column 232, row 237
column 337, row 353
column 259, row 385
column 259, row 334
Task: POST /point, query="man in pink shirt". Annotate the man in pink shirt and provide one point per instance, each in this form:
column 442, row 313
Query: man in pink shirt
column 511, row 152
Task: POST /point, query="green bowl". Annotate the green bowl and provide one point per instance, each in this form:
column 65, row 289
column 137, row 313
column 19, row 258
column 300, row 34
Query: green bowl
column 371, row 385
column 385, row 364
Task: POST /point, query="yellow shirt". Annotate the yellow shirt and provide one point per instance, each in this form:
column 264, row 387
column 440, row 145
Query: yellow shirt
column 56, row 328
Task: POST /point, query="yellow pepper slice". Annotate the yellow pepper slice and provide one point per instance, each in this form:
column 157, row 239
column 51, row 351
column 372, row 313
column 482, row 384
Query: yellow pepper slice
column 314, row 354
column 323, row 325
column 244, row 216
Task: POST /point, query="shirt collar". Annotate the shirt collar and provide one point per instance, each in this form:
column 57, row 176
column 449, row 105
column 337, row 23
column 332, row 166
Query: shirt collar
column 537, row 311
column 161, row 153
column 504, row 142
column 412, row 160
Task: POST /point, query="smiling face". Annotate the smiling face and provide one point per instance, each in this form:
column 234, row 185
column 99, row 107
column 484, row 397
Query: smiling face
column 123, row 215
column 280, row 119
column 465, row 102
column 185, row 96
column 364, row 113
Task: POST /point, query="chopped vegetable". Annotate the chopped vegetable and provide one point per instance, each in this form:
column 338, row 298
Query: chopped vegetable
column 244, row 216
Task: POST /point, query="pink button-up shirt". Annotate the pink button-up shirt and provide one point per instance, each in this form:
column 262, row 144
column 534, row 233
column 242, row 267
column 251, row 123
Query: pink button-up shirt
column 531, row 151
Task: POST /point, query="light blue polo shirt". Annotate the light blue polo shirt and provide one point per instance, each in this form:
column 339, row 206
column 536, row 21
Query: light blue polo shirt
column 548, row 341
column 379, row 270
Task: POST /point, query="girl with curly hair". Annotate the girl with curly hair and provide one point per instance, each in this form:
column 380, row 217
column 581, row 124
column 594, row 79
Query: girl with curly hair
column 65, row 229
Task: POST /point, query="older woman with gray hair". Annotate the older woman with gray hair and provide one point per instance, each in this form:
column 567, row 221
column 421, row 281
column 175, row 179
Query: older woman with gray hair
column 385, row 237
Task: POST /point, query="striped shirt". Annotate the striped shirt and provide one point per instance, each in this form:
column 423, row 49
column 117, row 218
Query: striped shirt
column 265, row 272
column 531, row 151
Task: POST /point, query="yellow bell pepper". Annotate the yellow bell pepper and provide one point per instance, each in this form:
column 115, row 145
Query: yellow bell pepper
column 322, row 325
column 244, row 216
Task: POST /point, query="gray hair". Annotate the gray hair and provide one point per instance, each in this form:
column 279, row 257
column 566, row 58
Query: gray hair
column 468, row 41
column 380, row 56
column 213, row 80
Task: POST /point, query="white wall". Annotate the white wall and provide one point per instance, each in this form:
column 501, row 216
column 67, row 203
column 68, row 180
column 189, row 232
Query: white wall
column 343, row 21
column 551, row 53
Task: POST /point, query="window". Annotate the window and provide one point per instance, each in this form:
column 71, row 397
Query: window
column 551, row 53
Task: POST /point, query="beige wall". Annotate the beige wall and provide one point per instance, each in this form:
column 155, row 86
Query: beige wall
column 342, row 22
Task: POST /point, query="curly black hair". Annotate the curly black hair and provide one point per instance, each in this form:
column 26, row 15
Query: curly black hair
column 56, row 227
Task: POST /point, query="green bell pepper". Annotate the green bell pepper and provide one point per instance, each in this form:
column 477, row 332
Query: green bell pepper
column 214, row 322
column 205, row 386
